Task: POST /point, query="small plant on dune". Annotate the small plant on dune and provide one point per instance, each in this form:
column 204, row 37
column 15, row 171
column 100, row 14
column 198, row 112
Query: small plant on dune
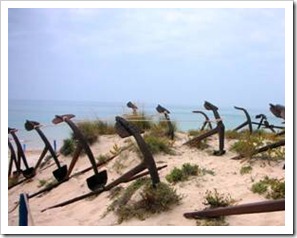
column 175, row 175
column 198, row 144
column 231, row 134
column 90, row 130
column 272, row 188
column 247, row 145
column 217, row 221
column 266, row 135
column 102, row 158
column 276, row 154
column 196, row 132
column 214, row 199
column 115, row 149
column 187, row 170
column 104, row 128
column 41, row 182
column 158, row 144
column 160, row 128
column 246, row 169
column 12, row 181
column 152, row 200
column 68, row 147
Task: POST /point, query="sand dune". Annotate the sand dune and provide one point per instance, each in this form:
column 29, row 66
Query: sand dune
column 89, row 212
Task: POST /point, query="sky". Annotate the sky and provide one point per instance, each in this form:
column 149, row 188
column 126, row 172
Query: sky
column 178, row 56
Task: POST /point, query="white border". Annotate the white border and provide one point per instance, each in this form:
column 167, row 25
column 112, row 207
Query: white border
column 287, row 229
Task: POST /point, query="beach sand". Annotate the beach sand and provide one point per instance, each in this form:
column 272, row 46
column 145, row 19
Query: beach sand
column 89, row 212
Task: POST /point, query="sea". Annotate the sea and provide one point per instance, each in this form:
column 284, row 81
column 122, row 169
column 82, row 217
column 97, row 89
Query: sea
column 44, row 111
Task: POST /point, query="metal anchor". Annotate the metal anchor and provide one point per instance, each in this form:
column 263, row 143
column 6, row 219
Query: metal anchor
column 29, row 172
column 248, row 121
column 206, row 121
column 125, row 129
column 163, row 110
column 133, row 107
column 61, row 172
column 13, row 159
column 98, row 180
column 220, row 129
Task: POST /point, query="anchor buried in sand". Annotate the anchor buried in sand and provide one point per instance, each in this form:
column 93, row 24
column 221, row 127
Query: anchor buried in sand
column 60, row 173
column 220, row 129
column 99, row 179
column 29, row 172
column 125, row 129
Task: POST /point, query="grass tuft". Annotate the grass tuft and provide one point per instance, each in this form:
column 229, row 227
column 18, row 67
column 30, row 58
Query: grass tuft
column 187, row 170
column 151, row 200
column 214, row 199
column 272, row 188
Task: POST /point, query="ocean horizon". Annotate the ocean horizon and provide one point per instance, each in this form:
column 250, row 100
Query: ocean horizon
column 43, row 111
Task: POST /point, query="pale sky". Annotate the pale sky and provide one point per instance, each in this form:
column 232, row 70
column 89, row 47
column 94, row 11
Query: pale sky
column 178, row 56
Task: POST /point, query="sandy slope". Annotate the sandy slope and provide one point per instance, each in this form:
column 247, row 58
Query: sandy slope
column 88, row 212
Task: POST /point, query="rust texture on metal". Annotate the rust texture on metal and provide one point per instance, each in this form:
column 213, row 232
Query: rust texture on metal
column 248, row 208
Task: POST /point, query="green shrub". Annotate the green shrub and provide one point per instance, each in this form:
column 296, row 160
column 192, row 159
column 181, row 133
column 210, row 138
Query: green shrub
column 247, row 145
column 90, row 130
column 153, row 200
column 161, row 129
column 104, row 128
column 246, row 169
column 190, row 170
column 198, row 144
column 217, row 221
column 175, row 175
column 157, row 144
column 42, row 182
column 102, row 158
column 68, row 147
column 271, row 187
column 231, row 134
column 187, row 170
column 214, row 199
column 259, row 187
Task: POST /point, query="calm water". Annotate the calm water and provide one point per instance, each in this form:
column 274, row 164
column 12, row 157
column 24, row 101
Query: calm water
column 45, row 111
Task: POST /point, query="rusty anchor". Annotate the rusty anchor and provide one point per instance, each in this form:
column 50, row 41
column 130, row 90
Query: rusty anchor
column 248, row 121
column 125, row 129
column 163, row 110
column 29, row 172
column 133, row 107
column 60, row 173
column 206, row 121
column 220, row 129
column 13, row 160
column 99, row 179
